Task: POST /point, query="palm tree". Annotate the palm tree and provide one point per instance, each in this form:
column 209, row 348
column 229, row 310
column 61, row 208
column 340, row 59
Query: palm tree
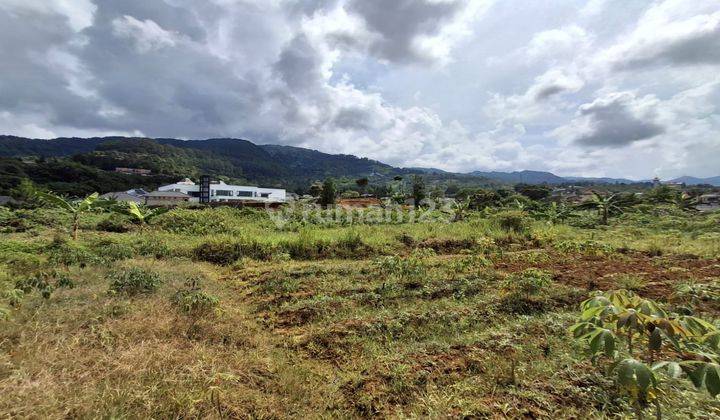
column 139, row 214
column 605, row 205
column 74, row 207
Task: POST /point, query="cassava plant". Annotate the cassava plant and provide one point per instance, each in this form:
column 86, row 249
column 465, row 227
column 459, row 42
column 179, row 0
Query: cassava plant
column 639, row 338
column 194, row 303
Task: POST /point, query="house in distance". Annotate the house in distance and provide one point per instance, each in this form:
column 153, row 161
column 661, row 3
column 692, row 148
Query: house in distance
column 210, row 191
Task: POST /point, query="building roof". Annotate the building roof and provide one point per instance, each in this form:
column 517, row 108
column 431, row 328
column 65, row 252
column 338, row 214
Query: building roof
column 136, row 192
column 164, row 194
column 122, row 196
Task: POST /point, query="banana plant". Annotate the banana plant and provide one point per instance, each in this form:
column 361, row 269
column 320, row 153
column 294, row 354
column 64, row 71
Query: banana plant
column 74, row 207
column 460, row 209
column 140, row 215
column 605, row 205
column 554, row 213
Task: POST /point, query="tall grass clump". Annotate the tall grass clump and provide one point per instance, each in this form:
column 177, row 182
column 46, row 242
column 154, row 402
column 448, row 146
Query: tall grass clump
column 225, row 250
column 198, row 222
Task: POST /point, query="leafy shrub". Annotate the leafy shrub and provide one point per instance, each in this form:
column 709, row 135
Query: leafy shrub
column 62, row 252
column 630, row 282
column 526, row 292
column 193, row 302
column 25, row 219
column 695, row 293
column 409, row 271
column 21, row 262
column 512, row 221
column 153, row 246
column 530, row 282
column 114, row 224
column 133, row 281
column 227, row 251
column 207, row 221
column 45, row 282
column 108, row 250
column 676, row 344
column 218, row 252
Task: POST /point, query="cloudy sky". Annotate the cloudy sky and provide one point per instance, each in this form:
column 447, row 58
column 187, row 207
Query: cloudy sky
column 625, row 88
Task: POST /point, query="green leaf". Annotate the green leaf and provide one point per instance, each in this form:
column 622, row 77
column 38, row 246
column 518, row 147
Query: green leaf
column 695, row 371
column 634, row 375
column 712, row 340
column 601, row 339
column 673, row 368
column 697, row 326
column 712, row 379
column 56, row 201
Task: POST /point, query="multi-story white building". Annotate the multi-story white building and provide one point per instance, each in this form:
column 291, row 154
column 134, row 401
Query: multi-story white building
column 222, row 192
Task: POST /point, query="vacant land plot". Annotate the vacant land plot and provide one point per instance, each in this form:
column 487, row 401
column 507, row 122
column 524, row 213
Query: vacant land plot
column 220, row 313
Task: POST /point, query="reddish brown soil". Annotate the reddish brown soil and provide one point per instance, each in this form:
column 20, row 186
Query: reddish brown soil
column 598, row 272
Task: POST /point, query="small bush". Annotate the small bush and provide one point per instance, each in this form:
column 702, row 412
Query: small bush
column 62, row 252
column 512, row 221
column 134, row 281
column 526, row 292
column 226, row 252
column 21, row 262
column 114, row 225
column 193, row 302
column 530, row 282
column 218, row 252
column 45, row 283
column 630, row 282
column 108, row 250
column 153, row 247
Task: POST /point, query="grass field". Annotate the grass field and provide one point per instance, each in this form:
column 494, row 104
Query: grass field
column 432, row 319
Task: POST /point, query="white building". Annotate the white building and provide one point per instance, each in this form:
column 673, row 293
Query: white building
column 222, row 192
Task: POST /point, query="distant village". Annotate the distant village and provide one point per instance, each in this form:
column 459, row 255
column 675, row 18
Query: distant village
column 211, row 191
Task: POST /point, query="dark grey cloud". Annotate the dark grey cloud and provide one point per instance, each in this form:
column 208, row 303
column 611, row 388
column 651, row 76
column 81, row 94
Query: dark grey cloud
column 177, row 88
column 30, row 81
column 353, row 118
column 612, row 123
column 548, row 91
column 399, row 23
column 299, row 64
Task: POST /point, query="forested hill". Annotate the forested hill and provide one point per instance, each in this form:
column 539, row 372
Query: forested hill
column 78, row 165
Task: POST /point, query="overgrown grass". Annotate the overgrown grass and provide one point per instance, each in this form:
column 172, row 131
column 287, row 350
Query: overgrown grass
column 389, row 320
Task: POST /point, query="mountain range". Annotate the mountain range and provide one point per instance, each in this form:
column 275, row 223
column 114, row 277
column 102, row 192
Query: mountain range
column 691, row 180
column 80, row 160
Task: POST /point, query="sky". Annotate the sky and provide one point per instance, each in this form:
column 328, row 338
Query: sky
column 622, row 88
